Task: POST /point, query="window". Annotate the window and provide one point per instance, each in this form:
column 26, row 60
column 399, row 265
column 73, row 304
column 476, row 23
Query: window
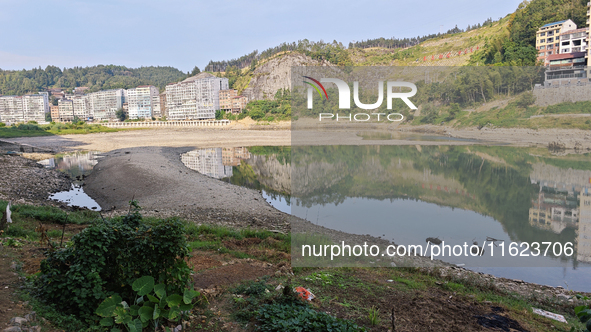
column 542, row 34
column 542, row 40
column 542, row 47
column 550, row 53
column 550, row 47
column 565, row 43
column 550, row 40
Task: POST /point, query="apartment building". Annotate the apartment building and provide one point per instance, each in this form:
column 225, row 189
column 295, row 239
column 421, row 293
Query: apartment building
column 196, row 98
column 66, row 110
column 55, row 113
column 142, row 101
column 239, row 104
column 80, row 107
column 163, row 111
column 26, row 108
column 104, row 104
column 548, row 38
column 226, row 99
column 156, row 108
column 574, row 41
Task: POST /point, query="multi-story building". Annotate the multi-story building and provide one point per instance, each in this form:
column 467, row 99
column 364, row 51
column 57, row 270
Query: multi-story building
column 26, row 108
column 226, row 99
column 104, row 104
column 163, row 111
column 140, row 101
column 548, row 38
column 66, row 110
column 196, row 98
column 574, row 41
column 156, row 108
column 55, row 113
column 568, row 68
column 81, row 107
column 238, row 104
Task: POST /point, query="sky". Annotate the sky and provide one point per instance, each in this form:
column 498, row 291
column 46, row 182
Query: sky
column 189, row 33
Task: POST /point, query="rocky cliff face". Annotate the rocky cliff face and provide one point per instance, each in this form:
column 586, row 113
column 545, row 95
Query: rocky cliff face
column 275, row 74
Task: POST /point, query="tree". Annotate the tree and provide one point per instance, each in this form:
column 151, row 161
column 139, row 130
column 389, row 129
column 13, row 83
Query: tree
column 219, row 115
column 195, row 71
column 48, row 117
column 121, row 115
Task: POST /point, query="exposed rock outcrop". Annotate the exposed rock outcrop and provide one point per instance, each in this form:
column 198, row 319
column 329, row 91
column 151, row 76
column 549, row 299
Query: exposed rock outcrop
column 275, row 74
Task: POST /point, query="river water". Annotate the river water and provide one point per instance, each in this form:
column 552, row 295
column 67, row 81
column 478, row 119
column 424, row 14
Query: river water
column 407, row 194
column 77, row 165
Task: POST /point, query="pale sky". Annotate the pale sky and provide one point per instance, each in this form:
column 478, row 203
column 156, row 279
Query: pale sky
column 189, row 33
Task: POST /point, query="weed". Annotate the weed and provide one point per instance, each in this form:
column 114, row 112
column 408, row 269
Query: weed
column 373, row 315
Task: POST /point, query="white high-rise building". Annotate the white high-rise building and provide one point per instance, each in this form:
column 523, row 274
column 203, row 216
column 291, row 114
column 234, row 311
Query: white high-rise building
column 104, row 104
column 140, row 102
column 196, row 98
column 66, row 110
column 80, row 107
column 26, row 108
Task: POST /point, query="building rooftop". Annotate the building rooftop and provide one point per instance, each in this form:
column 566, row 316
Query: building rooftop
column 553, row 23
column 575, row 31
column 566, row 56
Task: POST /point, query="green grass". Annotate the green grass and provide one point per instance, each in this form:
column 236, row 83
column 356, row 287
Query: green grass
column 33, row 130
column 25, row 218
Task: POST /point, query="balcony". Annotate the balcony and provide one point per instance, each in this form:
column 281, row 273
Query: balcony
column 561, row 76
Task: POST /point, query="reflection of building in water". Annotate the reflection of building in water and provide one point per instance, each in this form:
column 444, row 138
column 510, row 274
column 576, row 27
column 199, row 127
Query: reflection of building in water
column 553, row 211
column 82, row 161
column 556, row 206
column 208, row 162
column 232, row 156
column 583, row 239
column 563, row 201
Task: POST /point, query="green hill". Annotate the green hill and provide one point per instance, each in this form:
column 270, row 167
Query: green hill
column 20, row 82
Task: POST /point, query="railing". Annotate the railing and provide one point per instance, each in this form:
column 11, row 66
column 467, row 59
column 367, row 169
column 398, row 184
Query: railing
column 162, row 124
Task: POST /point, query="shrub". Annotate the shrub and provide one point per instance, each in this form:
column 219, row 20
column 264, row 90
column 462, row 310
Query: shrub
column 295, row 317
column 107, row 257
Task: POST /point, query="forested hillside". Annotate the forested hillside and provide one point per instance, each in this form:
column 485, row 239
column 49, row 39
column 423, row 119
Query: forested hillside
column 97, row 78
column 516, row 44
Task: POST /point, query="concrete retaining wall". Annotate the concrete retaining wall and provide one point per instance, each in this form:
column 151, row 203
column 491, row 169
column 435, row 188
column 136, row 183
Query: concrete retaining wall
column 546, row 96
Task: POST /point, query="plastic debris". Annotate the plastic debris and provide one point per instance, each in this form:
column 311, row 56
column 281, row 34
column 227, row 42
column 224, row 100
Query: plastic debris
column 550, row 315
column 304, row 293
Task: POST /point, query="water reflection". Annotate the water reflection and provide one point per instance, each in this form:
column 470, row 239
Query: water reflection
column 261, row 168
column 77, row 165
column 457, row 194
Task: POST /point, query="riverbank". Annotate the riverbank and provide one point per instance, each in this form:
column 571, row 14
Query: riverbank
column 163, row 186
column 348, row 135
